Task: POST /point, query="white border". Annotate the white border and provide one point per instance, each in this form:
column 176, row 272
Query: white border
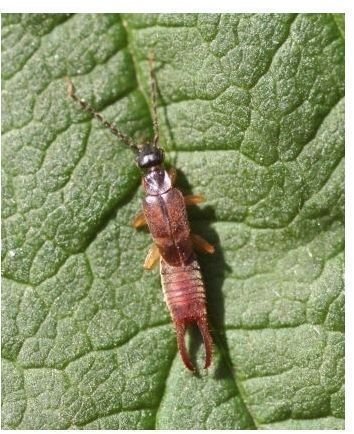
column 171, row 6
column 307, row 6
column 349, row 231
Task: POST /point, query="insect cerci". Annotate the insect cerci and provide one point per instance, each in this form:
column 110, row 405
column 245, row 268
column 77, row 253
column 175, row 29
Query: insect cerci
column 164, row 212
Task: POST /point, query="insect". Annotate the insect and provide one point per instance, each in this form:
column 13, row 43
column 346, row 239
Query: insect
column 164, row 212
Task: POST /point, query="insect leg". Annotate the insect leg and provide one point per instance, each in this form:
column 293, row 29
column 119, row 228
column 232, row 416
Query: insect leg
column 139, row 220
column 152, row 257
column 172, row 172
column 193, row 199
column 201, row 244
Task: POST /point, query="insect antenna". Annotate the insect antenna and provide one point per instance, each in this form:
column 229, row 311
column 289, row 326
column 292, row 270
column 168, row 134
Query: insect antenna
column 153, row 94
column 89, row 109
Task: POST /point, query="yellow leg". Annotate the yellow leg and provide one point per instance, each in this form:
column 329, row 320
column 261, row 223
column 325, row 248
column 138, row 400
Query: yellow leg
column 152, row 257
column 201, row 244
column 193, row 199
column 173, row 175
column 139, row 220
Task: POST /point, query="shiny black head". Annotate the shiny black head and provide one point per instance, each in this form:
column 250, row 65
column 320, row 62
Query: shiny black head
column 150, row 156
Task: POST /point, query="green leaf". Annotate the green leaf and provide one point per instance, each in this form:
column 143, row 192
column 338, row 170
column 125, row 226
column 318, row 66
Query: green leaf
column 251, row 112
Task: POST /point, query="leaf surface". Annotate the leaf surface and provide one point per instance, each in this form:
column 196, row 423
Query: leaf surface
column 251, row 111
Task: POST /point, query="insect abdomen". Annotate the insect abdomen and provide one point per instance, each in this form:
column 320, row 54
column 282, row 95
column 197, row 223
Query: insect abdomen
column 185, row 297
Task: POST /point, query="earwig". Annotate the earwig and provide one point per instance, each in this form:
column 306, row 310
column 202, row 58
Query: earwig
column 164, row 212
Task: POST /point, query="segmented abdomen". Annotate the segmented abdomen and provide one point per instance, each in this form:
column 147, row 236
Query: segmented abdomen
column 185, row 297
column 184, row 290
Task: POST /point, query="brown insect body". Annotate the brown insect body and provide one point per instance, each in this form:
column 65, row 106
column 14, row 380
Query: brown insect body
column 185, row 297
column 166, row 216
column 182, row 283
column 165, row 213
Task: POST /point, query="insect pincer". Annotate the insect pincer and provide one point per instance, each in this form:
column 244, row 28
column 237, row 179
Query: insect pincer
column 181, row 326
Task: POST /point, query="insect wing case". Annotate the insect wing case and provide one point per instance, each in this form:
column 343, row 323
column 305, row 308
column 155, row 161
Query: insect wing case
column 167, row 219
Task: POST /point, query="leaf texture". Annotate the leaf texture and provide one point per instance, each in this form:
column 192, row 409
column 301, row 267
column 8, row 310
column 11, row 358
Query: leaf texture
column 251, row 111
